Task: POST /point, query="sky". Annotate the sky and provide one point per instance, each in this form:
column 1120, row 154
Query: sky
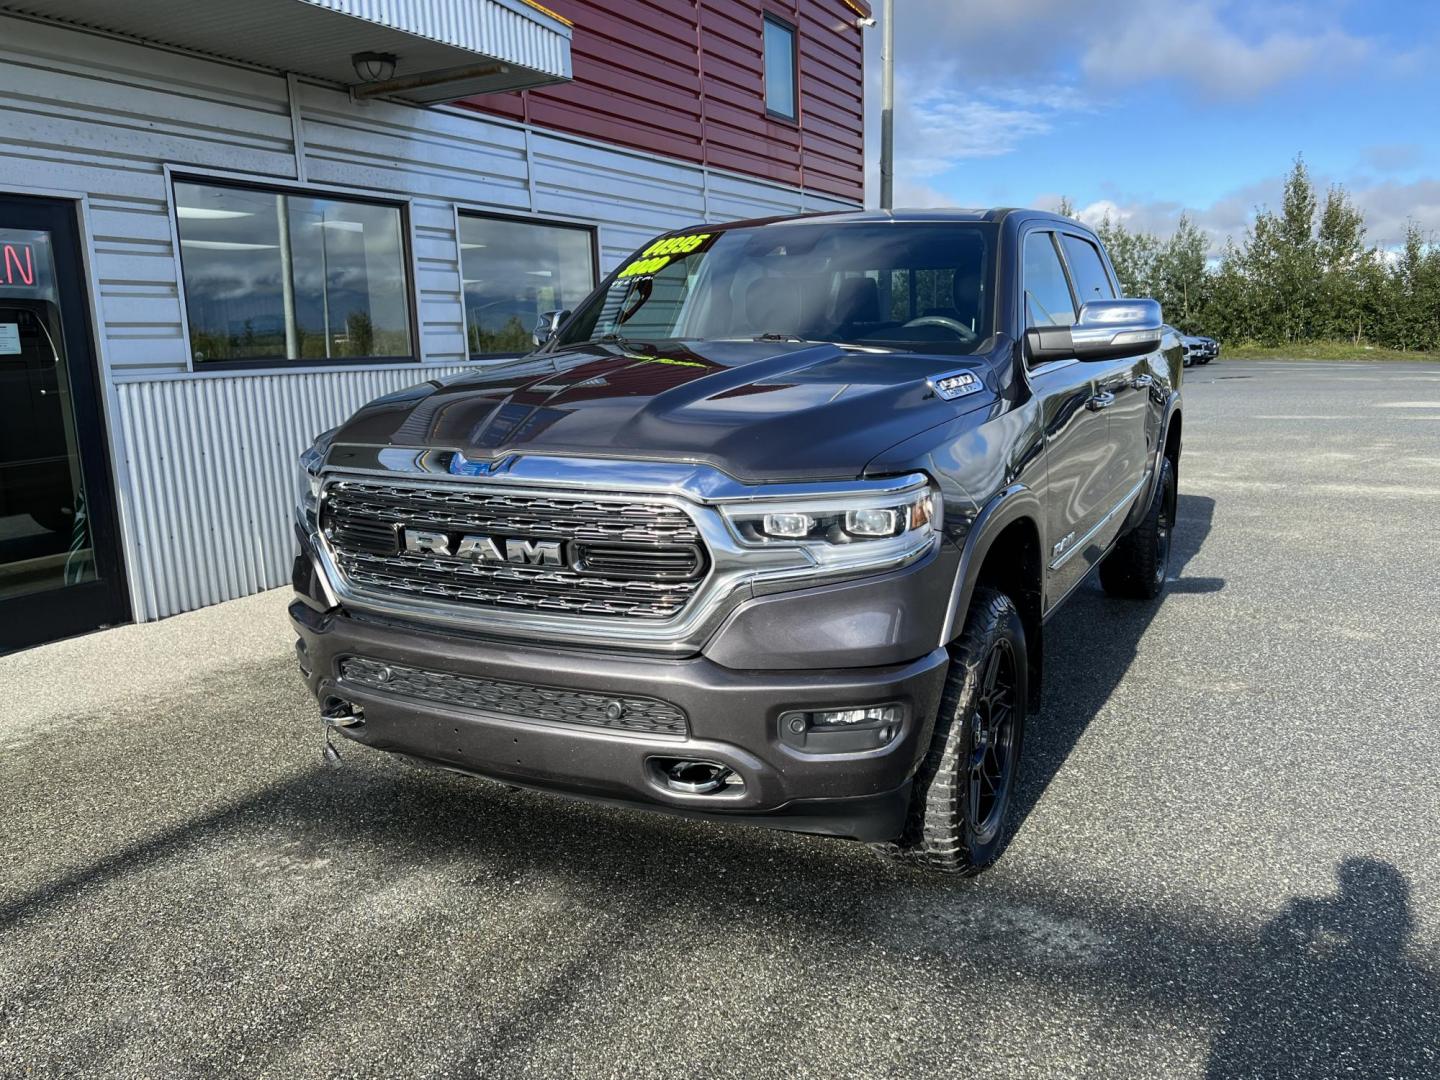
column 1147, row 108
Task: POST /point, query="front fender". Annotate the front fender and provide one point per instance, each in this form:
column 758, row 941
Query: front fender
column 1013, row 504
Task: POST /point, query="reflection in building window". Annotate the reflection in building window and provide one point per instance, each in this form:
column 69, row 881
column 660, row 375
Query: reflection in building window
column 274, row 275
column 516, row 270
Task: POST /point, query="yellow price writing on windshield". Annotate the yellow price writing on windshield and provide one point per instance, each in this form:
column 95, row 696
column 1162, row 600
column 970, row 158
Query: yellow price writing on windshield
column 641, row 267
column 676, row 245
column 661, row 253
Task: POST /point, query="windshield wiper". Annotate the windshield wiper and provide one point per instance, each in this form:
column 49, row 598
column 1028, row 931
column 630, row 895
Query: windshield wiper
column 775, row 335
column 614, row 337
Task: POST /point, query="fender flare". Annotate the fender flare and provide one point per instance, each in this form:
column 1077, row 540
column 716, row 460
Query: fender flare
column 1004, row 509
column 1142, row 504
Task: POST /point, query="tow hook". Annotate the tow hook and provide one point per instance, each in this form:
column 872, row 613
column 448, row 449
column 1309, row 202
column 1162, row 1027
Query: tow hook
column 337, row 713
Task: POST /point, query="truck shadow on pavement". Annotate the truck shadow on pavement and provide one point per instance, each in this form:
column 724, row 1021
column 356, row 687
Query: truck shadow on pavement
column 1090, row 646
column 567, row 916
column 528, row 924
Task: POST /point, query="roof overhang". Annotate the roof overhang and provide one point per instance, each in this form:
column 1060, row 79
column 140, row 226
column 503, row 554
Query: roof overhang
column 444, row 49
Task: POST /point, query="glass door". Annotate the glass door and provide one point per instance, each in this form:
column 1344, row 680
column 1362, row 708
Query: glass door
column 60, row 569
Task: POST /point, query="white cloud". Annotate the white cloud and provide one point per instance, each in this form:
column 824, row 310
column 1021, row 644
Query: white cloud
column 1197, row 46
column 1393, row 157
column 943, row 127
column 1223, row 48
column 941, row 121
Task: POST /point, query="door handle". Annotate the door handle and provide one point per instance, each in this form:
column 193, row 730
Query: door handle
column 1142, row 381
column 1100, row 401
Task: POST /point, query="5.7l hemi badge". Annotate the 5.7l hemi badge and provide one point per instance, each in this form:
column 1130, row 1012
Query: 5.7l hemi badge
column 956, row 384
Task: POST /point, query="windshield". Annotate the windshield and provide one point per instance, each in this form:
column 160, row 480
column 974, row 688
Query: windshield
column 900, row 285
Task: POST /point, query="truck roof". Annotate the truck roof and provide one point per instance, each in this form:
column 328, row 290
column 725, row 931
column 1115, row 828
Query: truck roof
column 993, row 215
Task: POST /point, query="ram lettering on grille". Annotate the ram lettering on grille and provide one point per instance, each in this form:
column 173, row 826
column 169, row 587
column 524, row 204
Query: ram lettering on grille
column 610, row 556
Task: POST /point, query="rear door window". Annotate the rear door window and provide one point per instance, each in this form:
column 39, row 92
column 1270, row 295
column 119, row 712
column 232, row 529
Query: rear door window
column 1087, row 269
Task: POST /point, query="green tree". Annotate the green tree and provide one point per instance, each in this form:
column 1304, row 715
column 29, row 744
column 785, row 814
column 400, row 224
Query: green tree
column 1230, row 313
column 1342, row 257
column 1303, row 272
column 1133, row 254
column 1414, row 293
column 1280, row 258
column 1181, row 279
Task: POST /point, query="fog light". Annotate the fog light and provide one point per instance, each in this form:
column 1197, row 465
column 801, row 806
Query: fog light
column 854, row 717
column 831, row 731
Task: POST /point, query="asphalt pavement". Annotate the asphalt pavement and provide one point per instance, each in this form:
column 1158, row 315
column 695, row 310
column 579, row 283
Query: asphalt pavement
column 1227, row 864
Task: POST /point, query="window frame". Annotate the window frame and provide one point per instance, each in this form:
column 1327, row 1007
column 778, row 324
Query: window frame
column 554, row 221
column 1105, row 266
column 1054, row 236
column 279, row 185
column 768, row 16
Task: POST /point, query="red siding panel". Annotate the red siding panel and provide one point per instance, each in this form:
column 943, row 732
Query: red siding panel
column 685, row 78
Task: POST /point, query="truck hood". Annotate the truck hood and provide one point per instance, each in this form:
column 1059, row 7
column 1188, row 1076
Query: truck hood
column 761, row 411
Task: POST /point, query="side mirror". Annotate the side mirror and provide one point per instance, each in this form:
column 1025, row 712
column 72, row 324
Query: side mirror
column 1106, row 330
column 549, row 325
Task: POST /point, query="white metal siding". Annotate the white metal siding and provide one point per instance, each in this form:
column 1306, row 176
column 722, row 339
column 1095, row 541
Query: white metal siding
column 87, row 114
column 514, row 33
column 213, row 467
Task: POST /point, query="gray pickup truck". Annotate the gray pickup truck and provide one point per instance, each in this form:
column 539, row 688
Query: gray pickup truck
column 767, row 530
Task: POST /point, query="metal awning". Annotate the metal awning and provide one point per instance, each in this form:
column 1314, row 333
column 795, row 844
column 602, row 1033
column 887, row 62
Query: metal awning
column 443, row 49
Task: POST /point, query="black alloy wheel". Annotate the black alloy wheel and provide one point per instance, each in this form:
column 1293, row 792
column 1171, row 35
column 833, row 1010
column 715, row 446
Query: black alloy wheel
column 1139, row 563
column 963, row 795
column 992, row 745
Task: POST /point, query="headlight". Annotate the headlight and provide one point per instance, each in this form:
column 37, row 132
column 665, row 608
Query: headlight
column 307, row 487
column 843, row 529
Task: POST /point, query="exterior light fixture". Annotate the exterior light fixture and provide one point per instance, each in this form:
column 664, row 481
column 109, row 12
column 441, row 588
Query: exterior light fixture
column 374, row 67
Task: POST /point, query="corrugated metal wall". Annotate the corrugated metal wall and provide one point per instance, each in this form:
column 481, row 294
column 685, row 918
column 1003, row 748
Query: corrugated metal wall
column 212, row 467
column 205, row 462
column 686, row 78
column 510, row 30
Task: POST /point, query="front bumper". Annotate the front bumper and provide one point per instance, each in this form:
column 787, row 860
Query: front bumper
column 733, row 718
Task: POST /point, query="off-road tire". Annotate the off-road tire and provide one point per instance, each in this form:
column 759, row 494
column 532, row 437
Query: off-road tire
column 941, row 831
column 1137, row 567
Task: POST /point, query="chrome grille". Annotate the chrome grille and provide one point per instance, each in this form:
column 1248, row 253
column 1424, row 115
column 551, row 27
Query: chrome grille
column 616, row 712
column 622, row 557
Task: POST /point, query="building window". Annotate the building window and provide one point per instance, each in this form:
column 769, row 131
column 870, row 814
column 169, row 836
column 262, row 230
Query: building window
column 516, row 270
column 273, row 275
column 780, row 89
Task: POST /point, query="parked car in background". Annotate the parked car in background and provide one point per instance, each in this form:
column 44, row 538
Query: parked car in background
column 766, row 531
column 1198, row 348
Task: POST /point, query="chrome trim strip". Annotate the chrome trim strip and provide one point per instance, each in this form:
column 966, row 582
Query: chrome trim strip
column 1079, row 545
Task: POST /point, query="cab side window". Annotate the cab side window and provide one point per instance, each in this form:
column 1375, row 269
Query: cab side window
column 1091, row 281
column 1047, row 292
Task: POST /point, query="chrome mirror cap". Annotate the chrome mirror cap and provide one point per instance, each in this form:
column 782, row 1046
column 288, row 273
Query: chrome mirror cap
column 1110, row 329
column 1105, row 330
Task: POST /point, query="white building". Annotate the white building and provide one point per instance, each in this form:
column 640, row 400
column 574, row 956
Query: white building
column 214, row 243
